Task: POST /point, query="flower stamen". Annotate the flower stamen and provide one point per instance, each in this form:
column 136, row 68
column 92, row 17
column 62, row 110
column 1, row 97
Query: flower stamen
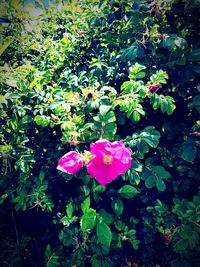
column 107, row 159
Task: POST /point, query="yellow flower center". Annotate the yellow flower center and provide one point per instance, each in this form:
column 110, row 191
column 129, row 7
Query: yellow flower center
column 107, row 159
column 87, row 156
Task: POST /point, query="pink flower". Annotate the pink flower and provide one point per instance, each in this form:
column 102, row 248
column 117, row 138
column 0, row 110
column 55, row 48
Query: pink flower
column 110, row 160
column 70, row 162
column 154, row 88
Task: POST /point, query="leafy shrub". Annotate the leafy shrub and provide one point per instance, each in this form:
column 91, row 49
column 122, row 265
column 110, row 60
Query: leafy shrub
column 100, row 70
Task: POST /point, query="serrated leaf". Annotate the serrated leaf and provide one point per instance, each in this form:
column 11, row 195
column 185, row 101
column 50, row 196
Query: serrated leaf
column 150, row 181
column 117, row 206
column 136, row 116
column 69, row 209
column 88, row 220
column 161, row 172
column 107, row 217
column 142, row 146
column 128, row 191
column 41, row 175
column 85, row 205
column 160, row 184
column 151, row 141
column 51, row 259
column 104, row 235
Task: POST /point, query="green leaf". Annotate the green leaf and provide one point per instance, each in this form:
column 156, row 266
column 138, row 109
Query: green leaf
column 161, row 172
column 42, row 120
column 120, row 225
column 140, row 75
column 193, row 240
column 159, row 77
column 136, row 68
column 3, row 198
column 86, row 179
column 88, row 220
column 104, row 109
column 129, row 86
column 194, row 56
column 109, row 130
column 160, row 184
column 150, row 181
column 51, row 259
column 40, row 2
column 155, row 100
column 6, row 44
column 136, row 116
column 164, row 105
column 142, row 146
column 181, row 245
column 14, row 3
column 104, row 235
column 26, row 119
column 107, row 217
column 85, row 205
column 189, row 151
column 65, row 221
column 130, row 53
column 150, row 139
column 117, row 206
column 135, row 243
column 99, row 189
column 96, row 262
column 195, row 103
column 41, row 175
column 128, row 191
column 69, row 209
column 110, row 117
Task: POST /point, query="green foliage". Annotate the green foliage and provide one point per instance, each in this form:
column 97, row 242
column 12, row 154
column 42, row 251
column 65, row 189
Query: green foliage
column 88, row 220
column 51, row 259
column 187, row 233
column 128, row 191
column 81, row 71
column 118, row 206
column 154, row 175
column 104, row 235
column 143, row 140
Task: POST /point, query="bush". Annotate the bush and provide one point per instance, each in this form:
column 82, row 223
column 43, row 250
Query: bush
column 83, row 72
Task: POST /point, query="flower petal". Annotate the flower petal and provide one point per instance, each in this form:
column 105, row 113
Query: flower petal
column 101, row 167
column 70, row 163
column 98, row 148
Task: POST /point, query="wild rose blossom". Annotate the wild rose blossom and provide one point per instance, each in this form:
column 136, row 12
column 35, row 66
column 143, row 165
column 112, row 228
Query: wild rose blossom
column 110, row 160
column 154, row 88
column 70, row 163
